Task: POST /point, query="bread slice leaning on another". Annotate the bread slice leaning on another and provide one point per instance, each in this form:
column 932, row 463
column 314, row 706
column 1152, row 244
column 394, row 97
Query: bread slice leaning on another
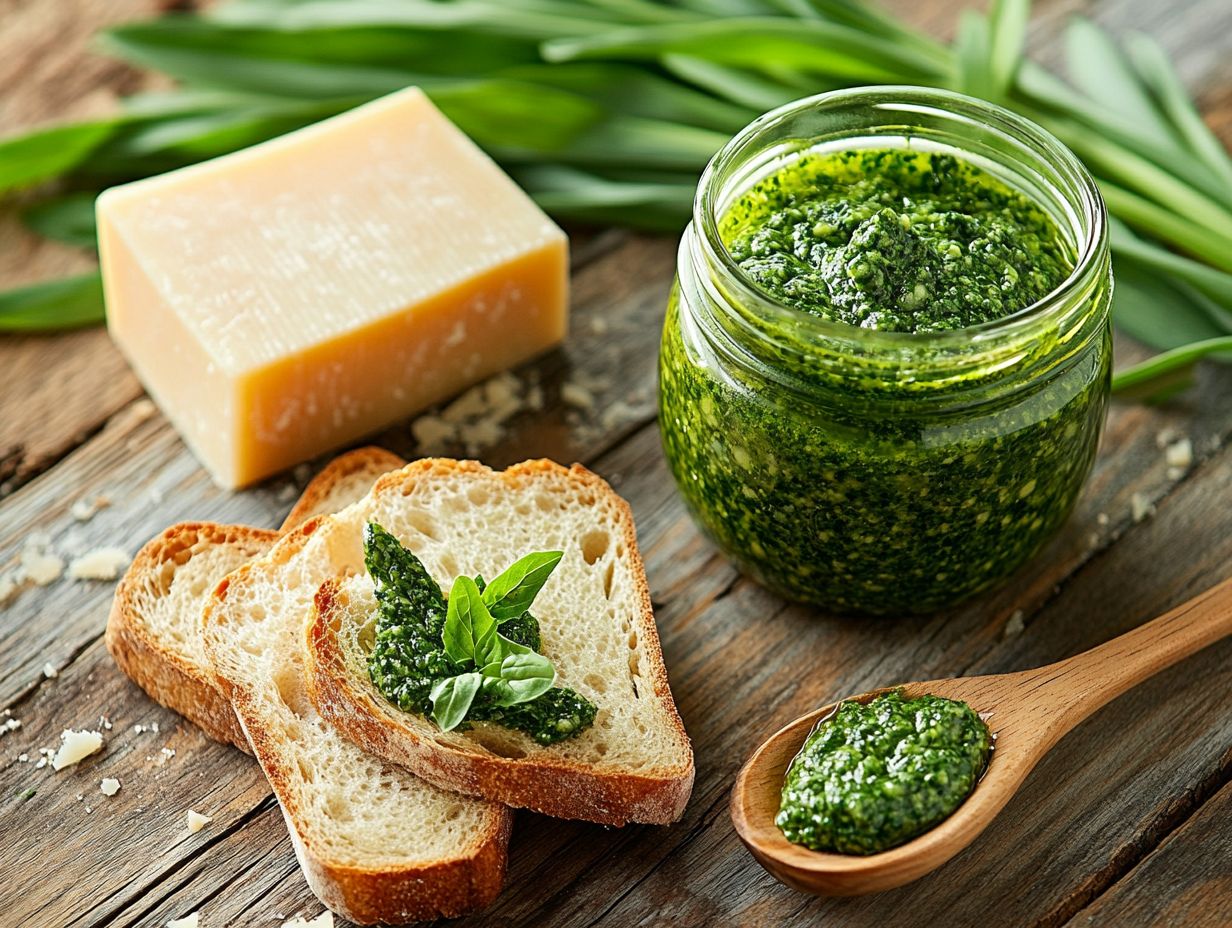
column 344, row 480
column 635, row 763
column 154, row 629
column 375, row 842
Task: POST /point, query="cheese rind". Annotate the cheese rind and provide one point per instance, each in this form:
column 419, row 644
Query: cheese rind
column 299, row 294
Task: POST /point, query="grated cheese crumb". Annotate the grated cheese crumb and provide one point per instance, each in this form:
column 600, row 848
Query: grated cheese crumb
column 324, row 920
column 1102, row 518
column 197, row 821
column 1178, row 456
column 575, row 395
column 49, row 671
column 478, row 417
column 75, row 747
column 109, row 786
column 99, row 564
column 84, row 510
column 188, row 921
column 1140, row 506
column 1014, row 625
column 23, row 758
column 9, row 725
column 39, row 565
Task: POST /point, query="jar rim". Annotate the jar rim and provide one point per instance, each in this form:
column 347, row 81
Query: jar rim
column 1090, row 249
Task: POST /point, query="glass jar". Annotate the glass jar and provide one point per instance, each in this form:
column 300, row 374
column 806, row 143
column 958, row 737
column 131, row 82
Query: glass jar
column 884, row 472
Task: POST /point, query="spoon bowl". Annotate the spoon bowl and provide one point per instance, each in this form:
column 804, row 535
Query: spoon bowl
column 1027, row 712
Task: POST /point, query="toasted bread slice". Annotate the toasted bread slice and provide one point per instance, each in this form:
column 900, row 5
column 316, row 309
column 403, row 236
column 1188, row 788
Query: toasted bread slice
column 635, row 763
column 153, row 632
column 344, row 480
column 375, row 842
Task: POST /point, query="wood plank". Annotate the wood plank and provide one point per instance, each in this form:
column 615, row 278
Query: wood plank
column 1184, row 883
column 56, row 390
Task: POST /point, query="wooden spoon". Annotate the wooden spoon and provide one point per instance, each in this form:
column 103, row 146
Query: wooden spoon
column 1028, row 712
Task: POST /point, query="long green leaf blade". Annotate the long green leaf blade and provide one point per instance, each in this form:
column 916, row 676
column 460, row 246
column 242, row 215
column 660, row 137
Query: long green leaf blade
column 68, row 303
column 45, row 154
column 1165, row 374
column 68, row 219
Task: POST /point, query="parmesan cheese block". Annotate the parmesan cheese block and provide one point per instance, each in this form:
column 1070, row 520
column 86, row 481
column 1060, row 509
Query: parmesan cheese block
column 296, row 295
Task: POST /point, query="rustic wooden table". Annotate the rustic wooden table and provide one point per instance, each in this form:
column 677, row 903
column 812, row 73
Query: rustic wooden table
column 1127, row 823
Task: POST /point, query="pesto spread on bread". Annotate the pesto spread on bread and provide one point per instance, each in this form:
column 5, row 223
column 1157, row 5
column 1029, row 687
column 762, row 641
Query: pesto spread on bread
column 474, row 656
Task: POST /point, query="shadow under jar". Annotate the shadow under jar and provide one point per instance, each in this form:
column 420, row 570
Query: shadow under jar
column 876, row 471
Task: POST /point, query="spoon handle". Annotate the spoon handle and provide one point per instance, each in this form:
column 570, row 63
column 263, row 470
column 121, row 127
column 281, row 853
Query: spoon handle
column 1093, row 678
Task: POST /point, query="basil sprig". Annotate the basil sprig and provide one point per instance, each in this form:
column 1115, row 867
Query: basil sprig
column 505, row 672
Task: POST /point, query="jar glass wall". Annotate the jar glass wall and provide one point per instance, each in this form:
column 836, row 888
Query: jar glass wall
column 872, row 471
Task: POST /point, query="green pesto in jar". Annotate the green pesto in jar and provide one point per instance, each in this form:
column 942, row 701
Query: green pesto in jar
column 895, row 240
column 836, row 477
column 875, row 775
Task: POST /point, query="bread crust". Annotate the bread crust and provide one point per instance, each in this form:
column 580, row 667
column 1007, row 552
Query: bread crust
column 370, row 461
column 441, row 889
column 162, row 671
column 554, row 786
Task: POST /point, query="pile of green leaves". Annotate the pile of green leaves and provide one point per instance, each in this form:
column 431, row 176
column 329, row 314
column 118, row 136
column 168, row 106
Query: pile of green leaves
column 475, row 656
column 607, row 110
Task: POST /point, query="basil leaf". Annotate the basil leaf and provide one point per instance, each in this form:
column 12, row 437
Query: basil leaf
column 452, row 699
column 523, row 677
column 511, row 593
column 512, row 647
column 467, row 623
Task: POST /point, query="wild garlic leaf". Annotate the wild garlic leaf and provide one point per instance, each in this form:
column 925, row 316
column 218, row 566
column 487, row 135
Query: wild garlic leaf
column 1151, row 63
column 1008, row 26
column 469, row 628
column 1158, row 378
column 56, row 304
column 452, row 699
column 971, row 54
column 512, row 592
column 1101, row 70
column 68, row 219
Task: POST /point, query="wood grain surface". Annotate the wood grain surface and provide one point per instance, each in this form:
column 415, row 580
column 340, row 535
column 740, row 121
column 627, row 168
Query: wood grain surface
column 1126, row 822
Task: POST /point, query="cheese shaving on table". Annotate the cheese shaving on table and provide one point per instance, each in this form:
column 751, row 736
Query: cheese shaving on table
column 476, row 419
column 197, row 821
column 75, row 747
column 109, row 786
column 99, row 564
column 84, row 509
column 188, row 921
